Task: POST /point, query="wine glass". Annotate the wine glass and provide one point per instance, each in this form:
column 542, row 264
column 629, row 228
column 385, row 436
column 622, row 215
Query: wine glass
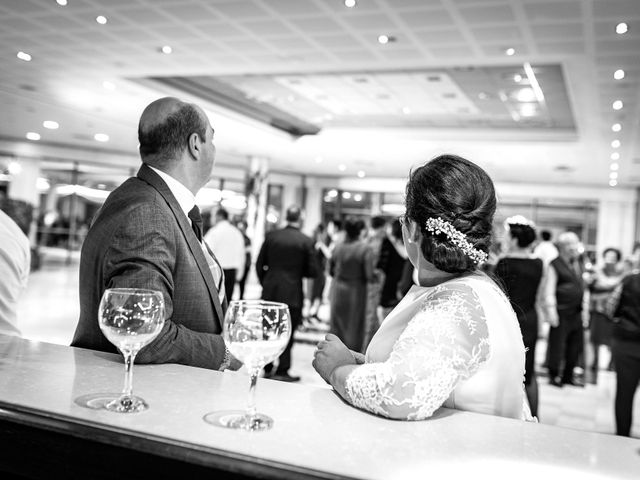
column 130, row 318
column 256, row 332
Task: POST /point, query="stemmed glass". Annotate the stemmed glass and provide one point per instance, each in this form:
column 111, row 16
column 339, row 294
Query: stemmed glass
column 130, row 318
column 256, row 332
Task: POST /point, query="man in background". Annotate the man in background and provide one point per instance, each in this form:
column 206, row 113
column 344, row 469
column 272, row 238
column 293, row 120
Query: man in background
column 546, row 250
column 15, row 260
column 286, row 257
column 227, row 244
column 148, row 234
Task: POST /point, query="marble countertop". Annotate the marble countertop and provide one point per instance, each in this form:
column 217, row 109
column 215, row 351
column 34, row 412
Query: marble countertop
column 314, row 429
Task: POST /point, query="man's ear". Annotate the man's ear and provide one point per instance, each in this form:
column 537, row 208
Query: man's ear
column 194, row 144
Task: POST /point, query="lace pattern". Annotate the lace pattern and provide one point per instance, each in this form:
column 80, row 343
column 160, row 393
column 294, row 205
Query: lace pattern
column 446, row 341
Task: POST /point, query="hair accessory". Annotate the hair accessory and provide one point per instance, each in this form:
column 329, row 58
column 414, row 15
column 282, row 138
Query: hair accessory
column 440, row 226
column 518, row 220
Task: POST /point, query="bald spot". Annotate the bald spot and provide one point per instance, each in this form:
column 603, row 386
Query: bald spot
column 157, row 112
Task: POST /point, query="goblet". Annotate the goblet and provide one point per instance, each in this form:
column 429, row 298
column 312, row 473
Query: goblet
column 130, row 318
column 256, row 332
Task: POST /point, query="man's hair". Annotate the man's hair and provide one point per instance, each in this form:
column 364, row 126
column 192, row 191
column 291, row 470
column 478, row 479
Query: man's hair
column 161, row 143
column 293, row 214
column 222, row 213
column 546, row 235
column 378, row 222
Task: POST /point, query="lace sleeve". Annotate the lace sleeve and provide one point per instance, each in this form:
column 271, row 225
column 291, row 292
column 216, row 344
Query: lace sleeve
column 445, row 342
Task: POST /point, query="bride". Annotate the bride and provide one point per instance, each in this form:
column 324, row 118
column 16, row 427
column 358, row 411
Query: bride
column 454, row 340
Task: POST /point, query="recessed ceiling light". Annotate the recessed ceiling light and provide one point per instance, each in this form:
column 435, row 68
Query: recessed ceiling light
column 526, row 95
column 616, row 127
column 318, row 159
column 62, row 3
column 383, row 39
column 613, row 175
column 346, row 195
column 14, row 168
column 33, row 136
column 617, row 105
column 342, row 167
column 332, row 193
column 614, row 166
column 101, row 137
column 406, row 110
column 618, row 74
column 622, row 28
column 357, row 197
column 510, row 51
column 615, row 143
column 528, row 109
column 166, row 49
column 109, row 85
column 102, row 20
column 50, row 124
column 615, row 156
column 613, row 183
column 483, row 96
column 349, row 3
column 361, row 174
column 517, row 78
column 24, row 56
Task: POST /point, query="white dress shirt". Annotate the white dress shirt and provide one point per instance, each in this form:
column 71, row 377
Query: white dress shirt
column 227, row 243
column 15, row 263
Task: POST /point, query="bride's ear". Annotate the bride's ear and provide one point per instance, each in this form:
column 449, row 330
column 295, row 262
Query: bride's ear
column 413, row 232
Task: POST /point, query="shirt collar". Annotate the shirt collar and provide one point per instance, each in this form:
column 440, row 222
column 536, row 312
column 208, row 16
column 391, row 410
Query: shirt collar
column 182, row 194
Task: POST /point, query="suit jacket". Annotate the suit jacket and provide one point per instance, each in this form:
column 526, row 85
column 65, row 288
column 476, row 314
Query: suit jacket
column 141, row 238
column 286, row 256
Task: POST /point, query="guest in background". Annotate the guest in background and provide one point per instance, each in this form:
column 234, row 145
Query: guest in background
column 227, row 244
column 546, row 250
column 351, row 268
column 15, row 260
column 564, row 310
column 372, row 318
column 322, row 254
column 286, row 257
column 521, row 275
column 242, row 226
column 601, row 283
column 336, row 232
column 624, row 307
column 393, row 260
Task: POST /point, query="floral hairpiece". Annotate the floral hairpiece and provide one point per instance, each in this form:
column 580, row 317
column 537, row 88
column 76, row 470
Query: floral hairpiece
column 437, row 225
column 518, row 220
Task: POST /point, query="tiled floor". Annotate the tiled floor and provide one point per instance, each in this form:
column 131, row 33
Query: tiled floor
column 48, row 312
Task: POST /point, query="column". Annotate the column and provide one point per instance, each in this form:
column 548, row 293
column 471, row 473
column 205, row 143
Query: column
column 256, row 201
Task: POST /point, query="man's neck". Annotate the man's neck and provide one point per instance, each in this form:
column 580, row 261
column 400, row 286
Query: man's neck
column 293, row 225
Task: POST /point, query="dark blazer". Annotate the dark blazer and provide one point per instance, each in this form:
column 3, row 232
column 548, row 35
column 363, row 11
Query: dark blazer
column 141, row 238
column 286, row 256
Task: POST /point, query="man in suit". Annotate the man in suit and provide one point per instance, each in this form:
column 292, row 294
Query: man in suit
column 148, row 234
column 565, row 310
column 286, row 256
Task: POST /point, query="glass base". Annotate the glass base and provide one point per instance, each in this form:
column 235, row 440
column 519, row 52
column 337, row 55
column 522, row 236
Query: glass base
column 239, row 419
column 127, row 404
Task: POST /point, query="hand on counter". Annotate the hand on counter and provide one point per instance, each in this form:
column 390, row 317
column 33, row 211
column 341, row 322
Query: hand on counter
column 330, row 354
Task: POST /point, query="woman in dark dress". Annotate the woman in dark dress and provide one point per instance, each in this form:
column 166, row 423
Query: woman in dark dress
column 521, row 275
column 322, row 253
column 393, row 257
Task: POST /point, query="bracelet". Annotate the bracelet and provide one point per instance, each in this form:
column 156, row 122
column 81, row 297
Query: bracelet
column 226, row 360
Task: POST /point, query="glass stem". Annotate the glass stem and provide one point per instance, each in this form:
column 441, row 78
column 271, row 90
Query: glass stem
column 251, row 404
column 129, row 356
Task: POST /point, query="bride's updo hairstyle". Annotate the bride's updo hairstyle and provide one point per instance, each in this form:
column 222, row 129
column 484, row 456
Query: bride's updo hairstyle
column 456, row 191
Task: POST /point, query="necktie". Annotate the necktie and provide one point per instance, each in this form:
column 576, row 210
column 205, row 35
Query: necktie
column 196, row 222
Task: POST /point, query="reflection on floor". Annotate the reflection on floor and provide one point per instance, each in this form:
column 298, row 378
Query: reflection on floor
column 48, row 312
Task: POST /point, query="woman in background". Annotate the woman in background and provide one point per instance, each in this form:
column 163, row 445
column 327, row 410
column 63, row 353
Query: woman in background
column 351, row 266
column 393, row 257
column 321, row 246
column 521, row 275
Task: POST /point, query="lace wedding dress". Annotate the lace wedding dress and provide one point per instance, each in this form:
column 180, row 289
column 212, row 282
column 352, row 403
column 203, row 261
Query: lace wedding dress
column 456, row 345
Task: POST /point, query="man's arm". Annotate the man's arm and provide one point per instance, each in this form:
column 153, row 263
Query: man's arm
column 549, row 303
column 142, row 255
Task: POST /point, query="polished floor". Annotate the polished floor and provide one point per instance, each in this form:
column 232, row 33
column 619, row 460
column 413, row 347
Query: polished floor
column 48, row 312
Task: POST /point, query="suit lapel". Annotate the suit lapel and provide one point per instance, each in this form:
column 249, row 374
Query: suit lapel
column 153, row 179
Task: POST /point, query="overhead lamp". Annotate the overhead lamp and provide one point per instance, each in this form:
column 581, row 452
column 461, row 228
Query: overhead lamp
column 618, row 74
column 109, row 85
column 613, row 183
column 510, row 52
column 342, row 167
column 517, row 78
column 357, row 197
column 62, row 3
column 50, row 124
column 614, row 166
column 617, row 105
column 349, row 3
column 361, row 174
column 318, row 159
column 14, row 168
column 528, row 109
column 332, row 193
column 24, row 56
column 613, row 175
column 616, row 127
column 526, row 95
column 615, row 143
column 166, row 49
column 615, row 156
column 622, row 28
column 346, row 195
column 383, row 39
column 101, row 137
column 33, row 136
column 101, row 19
column 406, row 110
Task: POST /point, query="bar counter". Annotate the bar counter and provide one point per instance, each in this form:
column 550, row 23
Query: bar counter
column 46, row 433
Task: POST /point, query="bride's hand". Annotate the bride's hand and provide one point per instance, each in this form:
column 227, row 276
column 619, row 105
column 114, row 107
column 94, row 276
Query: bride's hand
column 330, row 354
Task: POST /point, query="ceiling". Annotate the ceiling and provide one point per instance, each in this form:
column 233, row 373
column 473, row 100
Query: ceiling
column 306, row 83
